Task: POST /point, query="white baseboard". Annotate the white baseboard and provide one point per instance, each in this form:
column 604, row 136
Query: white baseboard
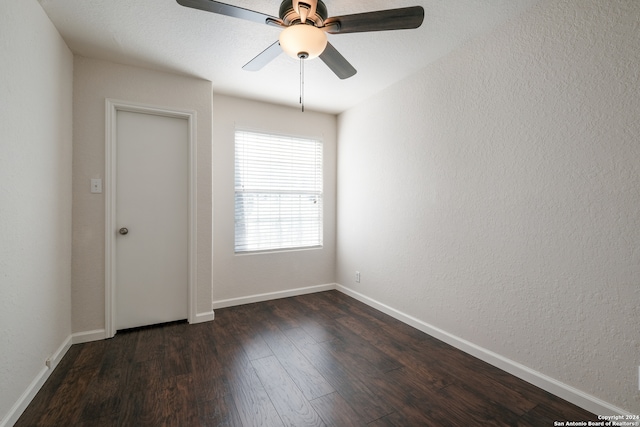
column 203, row 317
column 59, row 353
column 272, row 295
column 49, row 365
column 553, row 386
column 88, row 336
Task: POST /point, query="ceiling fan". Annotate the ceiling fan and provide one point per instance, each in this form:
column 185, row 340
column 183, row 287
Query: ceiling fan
column 305, row 24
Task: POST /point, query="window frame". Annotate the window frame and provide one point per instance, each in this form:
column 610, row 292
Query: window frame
column 283, row 245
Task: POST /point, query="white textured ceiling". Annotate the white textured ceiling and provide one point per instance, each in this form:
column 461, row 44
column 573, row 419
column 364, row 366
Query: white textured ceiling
column 161, row 34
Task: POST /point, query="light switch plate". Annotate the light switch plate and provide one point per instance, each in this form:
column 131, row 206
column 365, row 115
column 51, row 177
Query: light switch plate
column 96, row 186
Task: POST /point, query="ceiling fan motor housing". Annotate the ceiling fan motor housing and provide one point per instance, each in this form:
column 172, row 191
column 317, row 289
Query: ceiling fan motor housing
column 290, row 16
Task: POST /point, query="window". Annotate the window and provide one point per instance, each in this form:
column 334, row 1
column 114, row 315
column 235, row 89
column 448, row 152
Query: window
column 278, row 192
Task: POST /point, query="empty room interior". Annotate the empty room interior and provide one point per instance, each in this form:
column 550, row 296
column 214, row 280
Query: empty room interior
column 479, row 193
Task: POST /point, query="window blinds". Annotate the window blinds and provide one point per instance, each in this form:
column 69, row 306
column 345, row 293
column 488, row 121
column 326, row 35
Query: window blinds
column 278, row 192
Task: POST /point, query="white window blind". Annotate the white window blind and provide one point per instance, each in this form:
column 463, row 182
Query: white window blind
column 278, row 192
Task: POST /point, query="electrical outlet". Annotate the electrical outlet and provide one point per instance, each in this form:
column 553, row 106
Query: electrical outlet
column 357, row 277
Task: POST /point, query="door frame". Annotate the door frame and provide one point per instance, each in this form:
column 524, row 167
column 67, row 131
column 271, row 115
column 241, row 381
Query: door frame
column 112, row 106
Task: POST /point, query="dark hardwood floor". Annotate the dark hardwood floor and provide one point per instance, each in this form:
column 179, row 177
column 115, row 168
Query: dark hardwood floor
column 316, row 360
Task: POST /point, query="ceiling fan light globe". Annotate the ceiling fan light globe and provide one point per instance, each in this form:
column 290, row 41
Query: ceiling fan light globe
column 303, row 38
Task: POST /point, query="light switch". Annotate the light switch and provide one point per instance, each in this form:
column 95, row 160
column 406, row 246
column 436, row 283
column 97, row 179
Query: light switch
column 96, row 186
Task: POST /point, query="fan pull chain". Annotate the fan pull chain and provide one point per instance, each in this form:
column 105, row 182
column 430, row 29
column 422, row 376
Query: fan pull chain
column 302, row 82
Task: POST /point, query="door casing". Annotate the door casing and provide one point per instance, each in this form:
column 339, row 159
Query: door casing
column 112, row 106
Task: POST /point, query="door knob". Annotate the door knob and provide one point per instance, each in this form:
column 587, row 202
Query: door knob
column 123, row 231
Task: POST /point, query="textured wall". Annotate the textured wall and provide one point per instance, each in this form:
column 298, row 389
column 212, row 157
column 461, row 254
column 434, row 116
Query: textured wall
column 496, row 195
column 93, row 82
column 249, row 275
column 35, row 195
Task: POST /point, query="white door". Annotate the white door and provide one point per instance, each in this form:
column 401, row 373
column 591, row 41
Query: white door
column 151, row 245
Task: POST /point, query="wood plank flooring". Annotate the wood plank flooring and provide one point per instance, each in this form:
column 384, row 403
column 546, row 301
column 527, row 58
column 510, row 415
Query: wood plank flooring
column 315, row 360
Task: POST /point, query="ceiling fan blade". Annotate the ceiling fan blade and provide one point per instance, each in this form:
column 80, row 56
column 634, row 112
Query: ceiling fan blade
column 336, row 62
column 234, row 11
column 405, row 18
column 267, row 55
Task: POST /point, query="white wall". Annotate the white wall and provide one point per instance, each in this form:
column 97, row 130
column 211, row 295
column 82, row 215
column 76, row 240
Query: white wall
column 94, row 81
column 245, row 278
column 496, row 195
column 35, row 197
